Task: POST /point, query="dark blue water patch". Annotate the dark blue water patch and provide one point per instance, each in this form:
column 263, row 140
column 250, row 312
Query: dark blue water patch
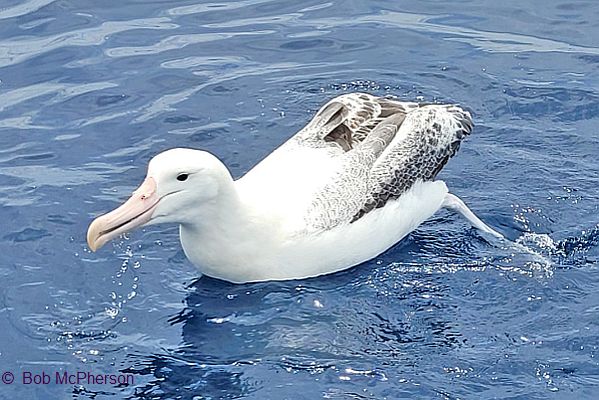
column 552, row 102
column 180, row 119
column 307, row 44
column 591, row 59
column 203, row 137
column 61, row 219
column 107, row 100
column 574, row 250
column 224, row 384
column 313, row 47
column 222, row 89
column 27, row 235
column 38, row 157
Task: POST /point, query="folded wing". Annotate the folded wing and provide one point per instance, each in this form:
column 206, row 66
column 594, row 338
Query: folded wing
column 383, row 147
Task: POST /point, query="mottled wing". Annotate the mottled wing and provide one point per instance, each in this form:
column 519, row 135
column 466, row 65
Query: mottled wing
column 428, row 137
column 346, row 121
column 383, row 147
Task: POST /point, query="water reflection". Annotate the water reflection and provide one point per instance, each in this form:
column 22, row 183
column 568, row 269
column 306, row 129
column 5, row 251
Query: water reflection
column 233, row 335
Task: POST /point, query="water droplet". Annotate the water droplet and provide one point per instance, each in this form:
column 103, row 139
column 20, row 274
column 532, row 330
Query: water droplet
column 112, row 312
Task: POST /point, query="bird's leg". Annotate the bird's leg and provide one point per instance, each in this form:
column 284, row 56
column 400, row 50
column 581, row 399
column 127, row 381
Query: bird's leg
column 454, row 203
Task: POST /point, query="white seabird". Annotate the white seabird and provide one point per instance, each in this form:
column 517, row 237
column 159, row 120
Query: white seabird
column 348, row 186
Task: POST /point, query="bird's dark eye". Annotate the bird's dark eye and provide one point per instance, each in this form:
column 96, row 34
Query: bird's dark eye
column 182, row 177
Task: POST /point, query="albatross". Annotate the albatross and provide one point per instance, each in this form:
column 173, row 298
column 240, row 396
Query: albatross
column 353, row 182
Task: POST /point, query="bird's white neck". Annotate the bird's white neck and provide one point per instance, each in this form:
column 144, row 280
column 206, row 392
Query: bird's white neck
column 226, row 234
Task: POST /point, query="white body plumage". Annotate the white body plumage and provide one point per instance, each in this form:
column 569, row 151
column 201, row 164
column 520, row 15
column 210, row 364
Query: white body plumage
column 352, row 183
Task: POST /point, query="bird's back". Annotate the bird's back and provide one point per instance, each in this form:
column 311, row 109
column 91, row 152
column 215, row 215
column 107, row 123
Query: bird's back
column 357, row 154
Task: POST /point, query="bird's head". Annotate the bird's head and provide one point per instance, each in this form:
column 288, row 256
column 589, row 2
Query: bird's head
column 178, row 181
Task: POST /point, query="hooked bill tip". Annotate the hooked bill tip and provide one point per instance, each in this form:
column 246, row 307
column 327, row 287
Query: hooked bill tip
column 93, row 234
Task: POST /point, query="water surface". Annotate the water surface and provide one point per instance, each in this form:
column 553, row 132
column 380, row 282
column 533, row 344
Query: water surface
column 90, row 91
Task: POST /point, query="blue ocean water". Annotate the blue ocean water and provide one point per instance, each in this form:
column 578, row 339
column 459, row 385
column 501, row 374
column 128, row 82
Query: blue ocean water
column 90, row 91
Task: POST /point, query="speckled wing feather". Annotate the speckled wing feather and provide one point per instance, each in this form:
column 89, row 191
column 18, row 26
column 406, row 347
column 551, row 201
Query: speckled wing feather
column 347, row 120
column 428, row 137
column 383, row 147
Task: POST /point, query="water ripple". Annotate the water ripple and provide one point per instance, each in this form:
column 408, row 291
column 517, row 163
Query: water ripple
column 484, row 40
column 16, row 51
column 62, row 91
column 25, row 8
column 177, row 42
column 212, row 7
column 166, row 102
